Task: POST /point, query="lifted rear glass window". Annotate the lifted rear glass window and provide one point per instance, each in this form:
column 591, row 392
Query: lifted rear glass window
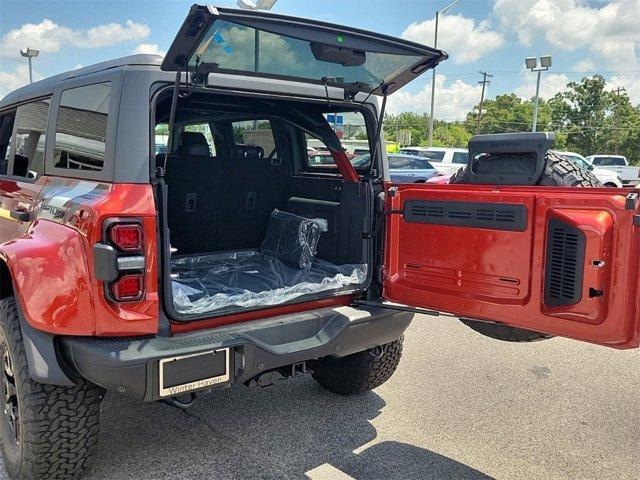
column 236, row 47
column 81, row 129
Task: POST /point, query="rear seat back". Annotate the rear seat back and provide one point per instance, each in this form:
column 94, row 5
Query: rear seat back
column 193, row 179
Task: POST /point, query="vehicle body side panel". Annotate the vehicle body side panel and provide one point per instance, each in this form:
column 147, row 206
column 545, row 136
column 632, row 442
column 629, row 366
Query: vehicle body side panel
column 52, row 262
column 498, row 275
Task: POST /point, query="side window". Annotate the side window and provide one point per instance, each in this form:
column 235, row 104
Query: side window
column 6, row 131
column 81, row 129
column 161, row 137
column 28, row 155
column 351, row 129
column 461, row 158
column 256, row 133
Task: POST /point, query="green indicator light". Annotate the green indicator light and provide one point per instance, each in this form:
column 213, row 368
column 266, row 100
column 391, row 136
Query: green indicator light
column 340, row 39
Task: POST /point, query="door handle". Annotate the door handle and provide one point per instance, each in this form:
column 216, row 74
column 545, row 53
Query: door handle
column 21, row 215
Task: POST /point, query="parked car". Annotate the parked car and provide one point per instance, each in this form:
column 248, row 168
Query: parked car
column 162, row 276
column 608, row 178
column 630, row 176
column 439, row 180
column 446, row 160
column 410, row 168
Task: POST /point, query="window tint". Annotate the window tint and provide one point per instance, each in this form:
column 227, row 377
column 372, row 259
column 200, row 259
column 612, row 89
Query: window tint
column 433, row 156
column 81, row 129
column 28, row 158
column 461, row 158
column 6, row 130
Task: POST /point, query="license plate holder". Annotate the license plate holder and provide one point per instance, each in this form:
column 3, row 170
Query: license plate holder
column 185, row 373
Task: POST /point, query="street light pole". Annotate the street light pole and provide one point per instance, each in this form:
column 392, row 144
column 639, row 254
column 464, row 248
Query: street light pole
column 536, row 103
column 433, row 73
column 29, row 53
column 532, row 64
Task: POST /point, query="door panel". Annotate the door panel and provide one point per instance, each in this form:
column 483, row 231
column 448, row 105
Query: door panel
column 556, row 260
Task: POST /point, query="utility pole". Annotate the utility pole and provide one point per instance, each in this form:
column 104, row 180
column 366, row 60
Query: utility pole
column 484, row 82
column 617, row 92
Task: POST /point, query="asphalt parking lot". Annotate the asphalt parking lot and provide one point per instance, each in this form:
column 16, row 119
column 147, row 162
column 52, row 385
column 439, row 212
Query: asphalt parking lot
column 460, row 406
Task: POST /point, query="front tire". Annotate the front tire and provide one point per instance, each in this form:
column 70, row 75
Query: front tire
column 558, row 172
column 46, row 431
column 360, row 372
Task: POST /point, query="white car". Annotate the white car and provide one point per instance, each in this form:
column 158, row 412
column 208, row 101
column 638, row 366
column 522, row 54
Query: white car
column 446, row 160
column 606, row 177
column 616, row 163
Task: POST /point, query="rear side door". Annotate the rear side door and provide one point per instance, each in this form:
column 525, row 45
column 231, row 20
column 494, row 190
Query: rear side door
column 563, row 261
column 22, row 170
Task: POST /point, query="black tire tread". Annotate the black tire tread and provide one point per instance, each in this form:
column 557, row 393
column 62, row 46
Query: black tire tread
column 60, row 425
column 360, row 372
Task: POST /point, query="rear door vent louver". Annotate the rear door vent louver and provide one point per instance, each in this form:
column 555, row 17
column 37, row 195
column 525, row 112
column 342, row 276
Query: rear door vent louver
column 564, row 264
column 495, row 216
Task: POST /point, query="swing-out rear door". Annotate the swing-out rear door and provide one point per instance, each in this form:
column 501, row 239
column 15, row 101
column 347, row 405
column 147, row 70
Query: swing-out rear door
column 558, row 260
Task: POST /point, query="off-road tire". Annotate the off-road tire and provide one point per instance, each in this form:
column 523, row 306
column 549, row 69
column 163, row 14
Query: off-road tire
column 360, row 372
column 559, row 172
column 58, row 426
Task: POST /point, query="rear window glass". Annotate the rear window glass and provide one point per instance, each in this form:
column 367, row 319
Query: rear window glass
column 461, row 158
column 233, row 47
column 81, row 129
column 609, row 161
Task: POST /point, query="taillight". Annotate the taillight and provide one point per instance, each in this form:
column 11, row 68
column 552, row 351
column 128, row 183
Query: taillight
column 127, row 237
column 120, row 261
column 128, row 287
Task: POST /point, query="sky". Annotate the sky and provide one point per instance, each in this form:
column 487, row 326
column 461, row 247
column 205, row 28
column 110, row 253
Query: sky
column 584, row 37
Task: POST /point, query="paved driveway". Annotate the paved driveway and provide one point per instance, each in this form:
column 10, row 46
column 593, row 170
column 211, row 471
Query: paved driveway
column 460, row 406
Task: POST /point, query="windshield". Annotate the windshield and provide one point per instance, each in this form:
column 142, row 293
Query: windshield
column 234, row 47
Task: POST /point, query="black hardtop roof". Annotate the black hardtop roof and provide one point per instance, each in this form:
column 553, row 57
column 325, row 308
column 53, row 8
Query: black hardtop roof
column 46, row 86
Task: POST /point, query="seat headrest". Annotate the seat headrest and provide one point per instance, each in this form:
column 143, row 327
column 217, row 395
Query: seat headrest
column 193, row 143
column 251, row 152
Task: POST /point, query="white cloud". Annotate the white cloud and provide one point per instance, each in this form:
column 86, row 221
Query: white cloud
column 48, row 36
column 584, row 66
column 9, row 81
column 550, row 84
column 453, row 101
column 463, row 38
column 610, row 31
column 150, row 48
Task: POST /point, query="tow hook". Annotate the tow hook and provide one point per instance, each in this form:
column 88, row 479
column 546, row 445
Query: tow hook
column 181, row 401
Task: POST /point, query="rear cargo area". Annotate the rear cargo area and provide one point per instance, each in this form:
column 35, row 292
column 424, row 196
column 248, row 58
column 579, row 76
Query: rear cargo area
column 251, row 222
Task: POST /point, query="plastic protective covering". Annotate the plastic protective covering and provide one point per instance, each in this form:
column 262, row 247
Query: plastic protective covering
column 205, row 283
column 292, row 239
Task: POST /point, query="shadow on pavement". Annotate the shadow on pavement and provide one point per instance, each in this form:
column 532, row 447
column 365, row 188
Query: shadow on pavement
column 291, row 430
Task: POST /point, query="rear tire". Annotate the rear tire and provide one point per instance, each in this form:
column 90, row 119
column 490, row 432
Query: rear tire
column 558, row 172
column 46, row 431
column 360, row 372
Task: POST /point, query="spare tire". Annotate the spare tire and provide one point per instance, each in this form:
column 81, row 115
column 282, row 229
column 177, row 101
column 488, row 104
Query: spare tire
column 559, row 172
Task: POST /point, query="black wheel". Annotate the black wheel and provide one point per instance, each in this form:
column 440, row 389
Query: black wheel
column 46, row 431
column 360, row 372
column 558, row 172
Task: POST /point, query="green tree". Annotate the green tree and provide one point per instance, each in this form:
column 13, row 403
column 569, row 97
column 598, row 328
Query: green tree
column 508, row 113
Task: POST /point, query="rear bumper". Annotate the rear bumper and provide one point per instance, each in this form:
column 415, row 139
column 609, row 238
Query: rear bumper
column 131, row 365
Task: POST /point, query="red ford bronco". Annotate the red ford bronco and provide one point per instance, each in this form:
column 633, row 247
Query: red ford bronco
column 164, row 233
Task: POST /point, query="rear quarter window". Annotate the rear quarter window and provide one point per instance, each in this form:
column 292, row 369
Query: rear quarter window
column 81, row 127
